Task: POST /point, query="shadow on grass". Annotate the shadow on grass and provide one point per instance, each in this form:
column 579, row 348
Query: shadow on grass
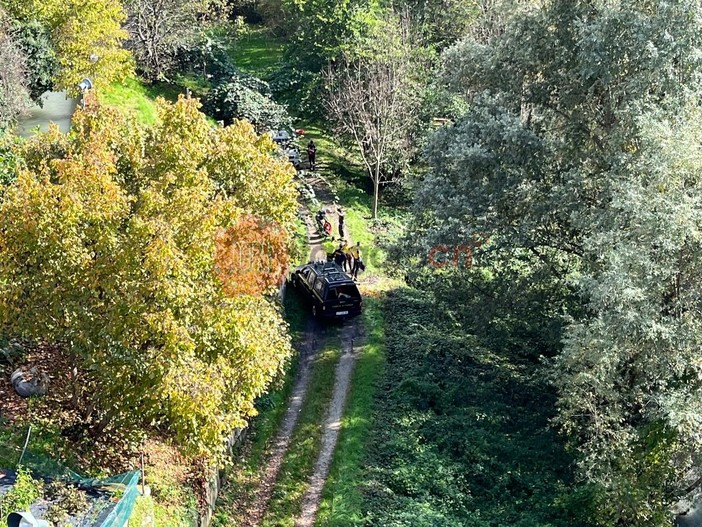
column 460, row 433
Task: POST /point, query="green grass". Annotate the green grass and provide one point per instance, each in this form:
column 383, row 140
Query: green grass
column 459, row 431
column 133, row 97
column 257, row 52
column 350, row 184
column 302, row 453
column 138, row 98
column 342, row 499
column 184, row 515
column 301, row 248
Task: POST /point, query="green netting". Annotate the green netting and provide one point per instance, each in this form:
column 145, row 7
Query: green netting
column 119, row 515
column 123, row 485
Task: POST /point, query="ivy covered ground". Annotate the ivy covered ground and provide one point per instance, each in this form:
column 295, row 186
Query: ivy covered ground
column 460, row 432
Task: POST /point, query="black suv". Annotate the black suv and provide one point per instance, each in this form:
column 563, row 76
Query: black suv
column 332, row 292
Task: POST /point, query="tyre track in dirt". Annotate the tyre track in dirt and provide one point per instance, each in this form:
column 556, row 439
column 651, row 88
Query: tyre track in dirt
column 313, row 339
column 350, row 335
column 308, row 347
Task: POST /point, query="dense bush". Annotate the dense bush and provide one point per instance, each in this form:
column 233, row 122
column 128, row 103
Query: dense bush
column 246, row 97
column 66, row 500
column 461, row 434
column 208, row 56
column 23, row 493
column 8, row 158
column 42, row 62
column 300, row 89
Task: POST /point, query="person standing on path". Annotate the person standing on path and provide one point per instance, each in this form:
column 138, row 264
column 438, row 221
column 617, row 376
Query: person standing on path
column 355, row 252
column 340, row 212
column 347, row 255
column 339, row 256
column 312, row 154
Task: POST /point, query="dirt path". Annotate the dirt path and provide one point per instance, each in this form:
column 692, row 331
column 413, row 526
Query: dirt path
column 308, row 346
column 332, row 424
column 312, row 341
column 308, row 349
column 350, row 334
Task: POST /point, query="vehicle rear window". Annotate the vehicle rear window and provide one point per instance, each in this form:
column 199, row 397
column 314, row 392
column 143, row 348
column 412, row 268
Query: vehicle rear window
column 343, row 292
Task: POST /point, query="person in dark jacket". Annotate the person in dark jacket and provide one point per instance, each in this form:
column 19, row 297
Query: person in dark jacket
column 339, row 256
column 312, row 154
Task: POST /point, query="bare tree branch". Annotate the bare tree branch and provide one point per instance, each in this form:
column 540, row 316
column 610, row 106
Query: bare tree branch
column 372, row 99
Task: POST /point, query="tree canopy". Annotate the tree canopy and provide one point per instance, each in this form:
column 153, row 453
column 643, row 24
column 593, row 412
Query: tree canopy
column 578, row 149
column 86, row 38
column 109, row 249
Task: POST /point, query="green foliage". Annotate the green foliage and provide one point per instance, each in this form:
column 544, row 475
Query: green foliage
column 460, row 431
column 441, row 22
column 577, row 151
column 319, row 31
column 8, row 159
column 549, row 118
column 245, row 97
column 66, row 500
column 207, row 57
column 86, row 38
column 630, row 376
column 23, row 493
column 119, row 263
column 42, row 64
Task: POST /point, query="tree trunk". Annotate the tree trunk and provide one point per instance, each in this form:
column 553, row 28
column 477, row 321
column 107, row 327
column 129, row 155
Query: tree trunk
column 376, row 187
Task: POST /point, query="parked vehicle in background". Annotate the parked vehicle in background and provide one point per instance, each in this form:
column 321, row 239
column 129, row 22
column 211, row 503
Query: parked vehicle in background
column 331, row 292
column 293, row 156
column 286, row 141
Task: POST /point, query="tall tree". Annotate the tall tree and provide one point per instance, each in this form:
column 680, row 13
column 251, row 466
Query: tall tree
column 372, row 98
column 110, row 248
column 318, row 31
column 562, row 154
column 630, row 379
column 441, row 22
column 86, row 37
column 159, row 28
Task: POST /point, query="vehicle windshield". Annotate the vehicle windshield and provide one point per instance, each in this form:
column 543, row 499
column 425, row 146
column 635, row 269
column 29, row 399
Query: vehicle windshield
column 344, row 292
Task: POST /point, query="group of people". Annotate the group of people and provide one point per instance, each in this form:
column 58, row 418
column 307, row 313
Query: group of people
column 349, row 258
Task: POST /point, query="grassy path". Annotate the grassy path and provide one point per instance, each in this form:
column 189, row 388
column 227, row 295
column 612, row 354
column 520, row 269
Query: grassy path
column 342, row 380
column 308, row 349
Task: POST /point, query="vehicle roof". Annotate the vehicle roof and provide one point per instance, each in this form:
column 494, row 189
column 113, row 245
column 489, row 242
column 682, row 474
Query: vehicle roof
column 330, row 272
